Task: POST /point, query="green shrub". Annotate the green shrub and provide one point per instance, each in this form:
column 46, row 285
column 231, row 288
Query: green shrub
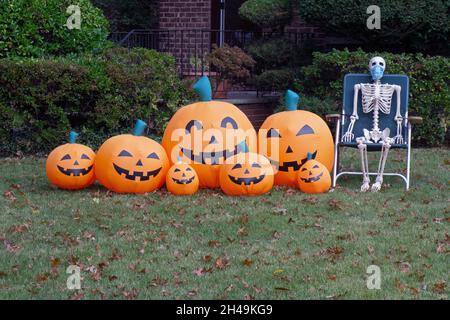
column 420, row 25
column 267, row 13
column 429, row 85
column 277, row 63
column 35, row 28
column 42, row 99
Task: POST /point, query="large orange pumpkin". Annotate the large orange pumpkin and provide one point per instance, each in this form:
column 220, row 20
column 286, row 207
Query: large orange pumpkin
column 292, row 134
column 313, row 177
column 247, row 174
column 182, row 179
column 206, row 133
column 70, row 166
column 131, row 163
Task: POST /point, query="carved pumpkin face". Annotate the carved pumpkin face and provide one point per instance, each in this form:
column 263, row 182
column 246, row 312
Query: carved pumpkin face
column 246, row 174
column 205, row 134
column 131, row 163
column 296, row 133
column 71, row 166
column 182, row 179
column 314, row 177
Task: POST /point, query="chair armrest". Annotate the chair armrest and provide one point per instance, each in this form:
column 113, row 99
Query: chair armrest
column 415, row 120
column 333, row 117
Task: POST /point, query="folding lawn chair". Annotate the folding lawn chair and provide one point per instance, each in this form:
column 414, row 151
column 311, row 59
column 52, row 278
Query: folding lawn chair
column 365, row 121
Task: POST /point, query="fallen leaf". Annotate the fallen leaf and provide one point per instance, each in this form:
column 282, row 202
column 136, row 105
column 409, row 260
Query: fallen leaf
column 336, row 204
column 221, row 263
column 281, row 289
column 198, row 272
column 439, row 287
column 214, row 244
column 247, row 262
column 21, row 228
column 10, row 246
column 206, row 258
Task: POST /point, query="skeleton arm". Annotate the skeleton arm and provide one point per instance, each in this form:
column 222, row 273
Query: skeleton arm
column 348, row 136
column 398, row 117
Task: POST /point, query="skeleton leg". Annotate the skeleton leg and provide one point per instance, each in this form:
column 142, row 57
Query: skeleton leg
column 386, row 145
column 362, row 146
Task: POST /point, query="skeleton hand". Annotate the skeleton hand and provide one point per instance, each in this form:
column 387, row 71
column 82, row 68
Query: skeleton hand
column 348, row 136
column 398, row 139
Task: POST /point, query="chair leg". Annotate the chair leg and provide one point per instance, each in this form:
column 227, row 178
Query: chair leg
column 408, row 158
column 336, row 153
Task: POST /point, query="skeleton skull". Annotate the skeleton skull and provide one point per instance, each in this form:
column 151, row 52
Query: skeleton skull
column 377, row 65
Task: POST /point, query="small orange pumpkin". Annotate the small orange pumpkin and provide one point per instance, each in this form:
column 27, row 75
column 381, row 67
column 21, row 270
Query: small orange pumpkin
column 182, row 179
column 313, row 177
column 206, row 133
column 292, row 134
column 248, row 174
column 70, row 166
column 131, row 163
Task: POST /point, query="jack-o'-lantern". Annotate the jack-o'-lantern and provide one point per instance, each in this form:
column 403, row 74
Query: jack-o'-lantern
column 206, row 133
column 247, row 174
column 286, row 138
column 313, row 177
column 131, row 163
column 182, row 179
column 70, row 166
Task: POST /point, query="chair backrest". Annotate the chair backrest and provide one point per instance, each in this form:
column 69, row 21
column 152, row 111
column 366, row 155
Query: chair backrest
column 366, row 119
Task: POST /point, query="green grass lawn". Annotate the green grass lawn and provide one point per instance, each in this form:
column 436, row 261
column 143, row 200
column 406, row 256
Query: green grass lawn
column 284, row 245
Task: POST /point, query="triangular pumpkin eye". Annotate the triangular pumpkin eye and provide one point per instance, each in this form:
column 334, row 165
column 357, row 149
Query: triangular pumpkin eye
column 316, row 166
column 124, row 153
column 256, row 165
column 66, row 157
column 188, row 169
column 272, row 133
column 304, row 169
column 177, row 170
column 153, row 156
column 305, row 130
column 85, row 156
column 237, row 166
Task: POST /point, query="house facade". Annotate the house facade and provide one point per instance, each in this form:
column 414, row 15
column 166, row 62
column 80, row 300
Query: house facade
column 194, row 26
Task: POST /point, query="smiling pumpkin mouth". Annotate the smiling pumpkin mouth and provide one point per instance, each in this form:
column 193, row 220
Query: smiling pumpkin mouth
column 143, row 176
column 184, row 181
column 247, row 181
column 75, row 172
column 313, row 179
column 295, row 165
column 214, row 156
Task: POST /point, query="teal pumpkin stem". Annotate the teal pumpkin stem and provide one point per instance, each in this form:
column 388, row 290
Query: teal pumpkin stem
column 243, row 147
column 73, row 137
column 203, row 88
column 309, row 156
column 291, row 100
column 139, row 127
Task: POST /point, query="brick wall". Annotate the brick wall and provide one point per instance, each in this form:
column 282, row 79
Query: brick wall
column 191, row 16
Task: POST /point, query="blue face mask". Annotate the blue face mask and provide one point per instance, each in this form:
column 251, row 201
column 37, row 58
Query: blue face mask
column 377, row 72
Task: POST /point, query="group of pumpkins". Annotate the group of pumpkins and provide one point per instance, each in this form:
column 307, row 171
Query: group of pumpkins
column 225, row 158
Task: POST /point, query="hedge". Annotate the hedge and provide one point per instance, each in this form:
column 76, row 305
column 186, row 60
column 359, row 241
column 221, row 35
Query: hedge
column 37, row 28
column 429, row 85
column 42, row 99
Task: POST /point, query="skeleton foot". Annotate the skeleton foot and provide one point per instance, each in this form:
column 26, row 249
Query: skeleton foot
column 376, row 187
column 365, row 186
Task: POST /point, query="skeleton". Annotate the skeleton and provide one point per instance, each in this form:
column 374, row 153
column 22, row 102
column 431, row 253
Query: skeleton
column 376, row 97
